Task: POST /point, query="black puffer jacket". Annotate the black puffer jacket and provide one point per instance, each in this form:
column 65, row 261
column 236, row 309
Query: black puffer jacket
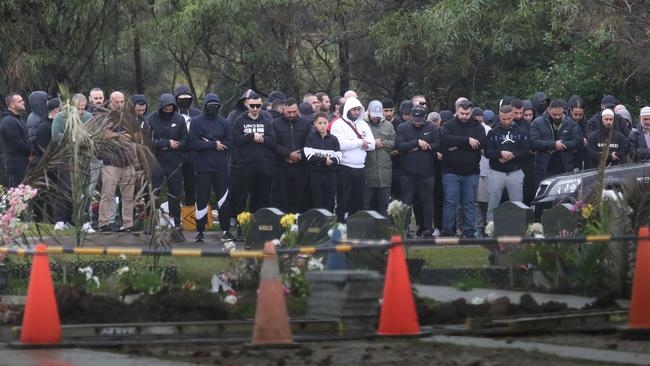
column 542, row 139
column 165, row 128
column 205, row 131
column 594, row 124
column 290, row 136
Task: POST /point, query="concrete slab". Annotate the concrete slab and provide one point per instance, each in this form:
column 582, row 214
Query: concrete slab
column 445, row 293
column 76, row 357
column 579, row 353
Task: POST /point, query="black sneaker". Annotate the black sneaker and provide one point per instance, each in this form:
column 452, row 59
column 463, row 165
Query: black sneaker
column 199, row 237
column 227, row 236
column 105, row 229
column 126, row 229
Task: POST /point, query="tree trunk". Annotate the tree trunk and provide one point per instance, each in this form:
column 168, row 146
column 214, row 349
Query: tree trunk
column 137, row 60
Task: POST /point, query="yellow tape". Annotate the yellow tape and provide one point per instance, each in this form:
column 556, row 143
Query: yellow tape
column 246, row 254
column 21, row 252
column 4, row 250
column 126, row 251
column 89, row 251
column 186, row 252
column 597, row 238
column 343, row 248
column 54, row 250
column 308, row 250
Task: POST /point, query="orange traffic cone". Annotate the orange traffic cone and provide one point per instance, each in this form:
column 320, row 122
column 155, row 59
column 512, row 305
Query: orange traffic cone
column 41, row 323
column 398, row 315
column 271, row 318
column 640, row 304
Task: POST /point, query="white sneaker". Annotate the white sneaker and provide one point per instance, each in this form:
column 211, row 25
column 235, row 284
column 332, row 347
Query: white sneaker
column 88, row 228
column 436, row 232
column 59, row 226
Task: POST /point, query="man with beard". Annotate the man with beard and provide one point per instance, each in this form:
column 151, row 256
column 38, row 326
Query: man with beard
column 378, row 164
column 576, row 109
column 325, row 103
column 184, row 100
column 211, row 139
column 419, row 142
column 140, row 107
column 289, row 191
column 169, row 135
column 253, row 157
column 594, row 123
column 529, row 113
column 507, row 146
column 96, row 100
column 355, row 139
column 555, row 139
column 639, row 139
column 15, row 141
column 462, row 140
column 526, row 162
column 597, row 142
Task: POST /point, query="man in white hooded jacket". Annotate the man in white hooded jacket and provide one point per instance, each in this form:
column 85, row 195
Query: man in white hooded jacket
column 355, row 139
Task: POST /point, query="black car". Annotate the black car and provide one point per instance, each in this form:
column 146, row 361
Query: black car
column 571, row 187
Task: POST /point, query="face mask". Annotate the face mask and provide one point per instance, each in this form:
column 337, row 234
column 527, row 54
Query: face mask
column 212, row 109
column 166, row 114
column 184, row 103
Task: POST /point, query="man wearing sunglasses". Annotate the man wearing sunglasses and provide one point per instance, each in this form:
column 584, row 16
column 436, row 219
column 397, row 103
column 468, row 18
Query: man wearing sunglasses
column 253, row 157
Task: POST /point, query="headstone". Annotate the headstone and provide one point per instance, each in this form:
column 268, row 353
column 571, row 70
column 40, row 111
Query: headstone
column 313, row 226
column 351, row 296
column 265, row 226
column 369, row 225
column 512, row 219
column 560, row 221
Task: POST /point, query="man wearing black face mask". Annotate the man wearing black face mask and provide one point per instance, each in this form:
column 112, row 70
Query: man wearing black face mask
column 184, row 100
column 211, row 138
column 290, row 181
column 169, row 135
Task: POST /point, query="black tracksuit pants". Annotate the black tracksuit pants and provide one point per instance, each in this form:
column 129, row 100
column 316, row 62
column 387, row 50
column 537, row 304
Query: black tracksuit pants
column 253, row 181
column 205, row 183
column 189, row 184
column 171, row 175
column 289, row 192
column 322, row 187
column 351, row 184
column 423, row 186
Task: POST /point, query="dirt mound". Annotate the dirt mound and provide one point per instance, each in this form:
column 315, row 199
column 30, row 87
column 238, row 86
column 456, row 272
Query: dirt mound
column 170, row 304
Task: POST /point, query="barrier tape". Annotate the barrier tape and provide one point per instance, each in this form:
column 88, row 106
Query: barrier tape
column 342, row 246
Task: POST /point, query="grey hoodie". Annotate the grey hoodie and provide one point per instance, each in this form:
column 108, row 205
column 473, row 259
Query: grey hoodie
column 38, row 104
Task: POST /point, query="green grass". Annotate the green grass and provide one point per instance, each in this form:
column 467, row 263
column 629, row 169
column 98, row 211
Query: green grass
column 41, row 229
column 451, row 257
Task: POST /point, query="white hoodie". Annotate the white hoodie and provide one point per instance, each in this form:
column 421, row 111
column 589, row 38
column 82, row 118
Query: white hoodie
column 354, row 156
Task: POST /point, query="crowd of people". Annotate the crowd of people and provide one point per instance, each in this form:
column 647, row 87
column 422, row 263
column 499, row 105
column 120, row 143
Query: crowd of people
column 454, row 167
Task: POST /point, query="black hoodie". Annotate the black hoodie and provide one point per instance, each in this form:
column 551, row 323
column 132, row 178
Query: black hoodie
column 248, row 152
column 416, row 161
column 458, row 157
column 540, row 103
column 166, row 127
column 205, row 131
column 595, row 122
column 240, row 108
column 137, row 98
column 514, row 140
column 191, row 111
column 596, row 143
column 38, row 103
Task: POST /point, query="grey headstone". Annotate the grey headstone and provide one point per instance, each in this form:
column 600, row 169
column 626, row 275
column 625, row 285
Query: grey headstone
column 313, row 226
column 560, row 219
column 512, row 219
column 369, row 225
column 265, row 226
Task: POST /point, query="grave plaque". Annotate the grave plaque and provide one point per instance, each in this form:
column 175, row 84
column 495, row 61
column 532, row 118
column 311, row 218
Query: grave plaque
column 560, row 221
column 369, row 225
column 512, row 219
column 265, row 226
column 313, row 226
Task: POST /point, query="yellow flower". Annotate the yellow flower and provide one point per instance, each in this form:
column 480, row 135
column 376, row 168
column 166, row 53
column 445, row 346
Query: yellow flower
column 244, row 218
column 587, row 211
column 287, row 220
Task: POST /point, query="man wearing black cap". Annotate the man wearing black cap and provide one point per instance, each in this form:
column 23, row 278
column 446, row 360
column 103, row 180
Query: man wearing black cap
column 594, row 123
column 418, row 143
column 461, row 140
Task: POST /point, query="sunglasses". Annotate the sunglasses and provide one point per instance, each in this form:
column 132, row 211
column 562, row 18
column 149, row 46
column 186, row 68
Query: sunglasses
column 254, row 106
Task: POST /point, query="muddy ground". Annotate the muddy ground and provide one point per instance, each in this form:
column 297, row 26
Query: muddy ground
column 604, row 341
column 382, row 352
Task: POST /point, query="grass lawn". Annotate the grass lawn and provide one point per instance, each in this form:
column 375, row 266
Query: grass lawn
column 450, row 256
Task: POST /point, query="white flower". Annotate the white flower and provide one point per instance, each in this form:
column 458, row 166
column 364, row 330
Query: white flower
column 276, row 242
column 87, row 271
column 123, row 257
column 315, row 264
column 489, row 229
column 294, row 228
column 343, row 228
column 538, row 236
column 122, row 270
column 611, row 195
column 295, row 270
column 96, row 279
column 477, row 301
column 230, row 299
column 491, row 298
column 229, row 245
column 535, row 229
column 394, row 207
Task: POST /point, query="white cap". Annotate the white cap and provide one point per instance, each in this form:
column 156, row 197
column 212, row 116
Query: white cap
column 645, row 111
column 608, row 113
column 375, row 109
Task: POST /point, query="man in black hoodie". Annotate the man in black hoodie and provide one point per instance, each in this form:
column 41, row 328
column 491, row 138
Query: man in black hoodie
column 184, row 100
column 594, row 123
column 169, row 135
column 140, row 108
column 253, row 157
column 418, row 141
column 38, row 103
column 15, row 141
column 507, row 148
column 211, row 140
column 462, row 140
column 540, row 103
column 597, row 142
column 289, row 192
column 555, row 138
